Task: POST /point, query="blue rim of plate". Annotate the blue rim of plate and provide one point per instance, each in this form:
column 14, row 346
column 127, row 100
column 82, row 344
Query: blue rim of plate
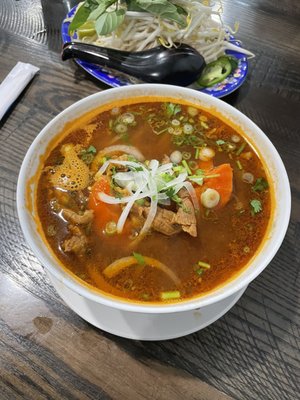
column 232, row 82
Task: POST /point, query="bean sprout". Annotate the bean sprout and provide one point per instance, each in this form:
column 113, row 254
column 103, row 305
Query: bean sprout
column 205, row 31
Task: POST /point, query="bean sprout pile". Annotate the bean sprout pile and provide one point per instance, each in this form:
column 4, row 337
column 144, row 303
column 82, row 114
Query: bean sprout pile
column 205, row 31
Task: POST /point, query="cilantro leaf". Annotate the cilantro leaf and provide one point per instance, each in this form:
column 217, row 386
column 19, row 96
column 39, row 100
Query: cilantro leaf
column 170, row 192
column 172, row 109
column 260, row 185
column 256, row 206
column 139, row 258
column 91, row 149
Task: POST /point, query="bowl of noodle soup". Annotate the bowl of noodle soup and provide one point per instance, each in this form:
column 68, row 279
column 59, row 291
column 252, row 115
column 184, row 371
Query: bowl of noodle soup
column 175, row 310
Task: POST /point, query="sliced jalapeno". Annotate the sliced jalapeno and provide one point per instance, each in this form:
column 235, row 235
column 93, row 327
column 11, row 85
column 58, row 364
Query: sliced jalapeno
column 216, row 71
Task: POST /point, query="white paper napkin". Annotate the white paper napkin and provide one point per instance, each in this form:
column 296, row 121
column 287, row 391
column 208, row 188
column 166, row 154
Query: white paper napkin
column 14, row 84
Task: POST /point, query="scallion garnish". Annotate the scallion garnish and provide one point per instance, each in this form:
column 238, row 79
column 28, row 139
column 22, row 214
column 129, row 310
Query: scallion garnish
column 174, row 294
column 238, row 163
column 203, row 264
column 139, row 258
column 241, row 148
column 185, row 164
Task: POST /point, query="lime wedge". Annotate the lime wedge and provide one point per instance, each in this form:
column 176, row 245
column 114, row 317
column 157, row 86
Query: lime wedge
column 87, row 29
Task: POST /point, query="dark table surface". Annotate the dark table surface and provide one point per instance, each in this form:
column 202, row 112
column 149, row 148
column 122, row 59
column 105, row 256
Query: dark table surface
column 46, row 350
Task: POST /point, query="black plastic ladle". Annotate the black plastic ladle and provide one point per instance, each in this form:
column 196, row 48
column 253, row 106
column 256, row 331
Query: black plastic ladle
column 180, row 65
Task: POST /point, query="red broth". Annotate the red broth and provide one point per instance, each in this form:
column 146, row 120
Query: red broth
column 227, row 234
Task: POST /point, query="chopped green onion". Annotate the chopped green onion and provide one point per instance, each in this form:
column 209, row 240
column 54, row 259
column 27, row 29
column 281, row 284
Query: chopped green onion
column 139, row 258
column 178, row 168
column 220, row 142
column 192, row 111
column 188, row 129
column 200, row 172
column 185, row 164
column 203, row 264
column 127, row 118
column 175, row 294
column 111, row 228
column 241, row 149
column 193, row 165
column 197, row 153
column 175, row 122
column 238, row 163
column 212, row 176
column 121, row 128
column 140, row 202
column 167, row 177
column 204, row 125
column 186, row 155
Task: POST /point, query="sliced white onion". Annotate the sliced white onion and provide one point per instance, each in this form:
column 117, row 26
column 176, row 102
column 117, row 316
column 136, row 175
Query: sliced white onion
column 153, row 208
column 123, row 178
column 180, row 178
column 133, row 151
column 190, row 188
column 166, row 168
column 126, row 211
column 153, row 166
column 115, row 200
column 118, row 162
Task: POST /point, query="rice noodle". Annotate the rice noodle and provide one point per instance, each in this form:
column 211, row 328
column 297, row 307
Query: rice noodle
column 123, row 149
column 117, row 266
column 205, row 31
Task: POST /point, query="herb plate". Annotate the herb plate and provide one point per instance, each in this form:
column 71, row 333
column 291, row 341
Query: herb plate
column 232, row 82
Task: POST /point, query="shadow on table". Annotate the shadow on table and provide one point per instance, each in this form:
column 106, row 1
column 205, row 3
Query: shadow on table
column 241, row 352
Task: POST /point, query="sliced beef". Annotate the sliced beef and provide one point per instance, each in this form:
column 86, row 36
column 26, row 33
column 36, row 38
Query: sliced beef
column 185, row 215
column 164, row 221
column 169, row 222
column 165, row 159
column 77, row 243
column 74, row 218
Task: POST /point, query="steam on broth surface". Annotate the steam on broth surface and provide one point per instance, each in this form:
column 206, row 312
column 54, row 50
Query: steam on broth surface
column 154, row 201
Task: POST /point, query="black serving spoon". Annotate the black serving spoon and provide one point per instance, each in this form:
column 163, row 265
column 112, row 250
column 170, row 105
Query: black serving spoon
column 180, row 65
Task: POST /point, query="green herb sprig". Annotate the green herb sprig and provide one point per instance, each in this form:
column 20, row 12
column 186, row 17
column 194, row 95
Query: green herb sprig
column 106, row 18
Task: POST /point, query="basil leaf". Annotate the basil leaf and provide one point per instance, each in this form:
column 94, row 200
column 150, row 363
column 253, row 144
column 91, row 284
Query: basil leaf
column 133, row 6
column 103, row 6
column 164, row 9
column 82, row 14
column 109, row 21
